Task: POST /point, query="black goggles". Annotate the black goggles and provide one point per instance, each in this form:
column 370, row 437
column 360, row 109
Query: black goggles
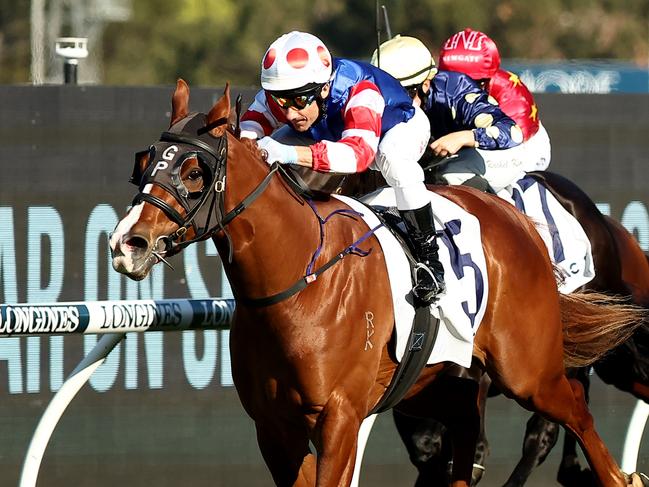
column 299, row 101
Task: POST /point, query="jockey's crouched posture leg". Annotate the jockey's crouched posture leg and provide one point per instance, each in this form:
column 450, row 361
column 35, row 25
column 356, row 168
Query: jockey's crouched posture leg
column 397, row 156
column 488, row 170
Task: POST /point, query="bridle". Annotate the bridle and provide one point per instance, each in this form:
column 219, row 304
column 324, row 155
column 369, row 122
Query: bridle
column 166, row 159
column 204, row 211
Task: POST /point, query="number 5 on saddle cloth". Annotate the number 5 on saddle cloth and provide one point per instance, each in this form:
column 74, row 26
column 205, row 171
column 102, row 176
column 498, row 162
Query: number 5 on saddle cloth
column 461, row 309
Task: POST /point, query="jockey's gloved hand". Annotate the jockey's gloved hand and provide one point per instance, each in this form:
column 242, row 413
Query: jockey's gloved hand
column 277, row 152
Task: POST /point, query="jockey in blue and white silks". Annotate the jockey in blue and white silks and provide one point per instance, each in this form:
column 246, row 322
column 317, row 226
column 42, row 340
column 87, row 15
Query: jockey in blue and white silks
column 466, row 106
column 345, row 109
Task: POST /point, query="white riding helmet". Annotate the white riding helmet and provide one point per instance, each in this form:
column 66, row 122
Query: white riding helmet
column 407, row 59
column 295, row 60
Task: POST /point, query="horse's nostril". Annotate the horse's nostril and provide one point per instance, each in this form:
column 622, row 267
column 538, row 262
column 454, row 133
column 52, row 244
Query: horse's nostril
column 137, row 242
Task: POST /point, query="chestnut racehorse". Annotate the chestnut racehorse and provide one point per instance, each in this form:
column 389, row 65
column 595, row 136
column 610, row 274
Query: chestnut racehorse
column 306, row 273
column 622, row 269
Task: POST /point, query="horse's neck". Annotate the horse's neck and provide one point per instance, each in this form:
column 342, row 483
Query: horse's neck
column 273, row 239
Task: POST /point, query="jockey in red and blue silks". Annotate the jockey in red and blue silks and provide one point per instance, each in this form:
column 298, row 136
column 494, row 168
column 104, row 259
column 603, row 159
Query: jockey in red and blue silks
column 464, row 121
column 353, row 117
column 352, row 84
column 476, row 55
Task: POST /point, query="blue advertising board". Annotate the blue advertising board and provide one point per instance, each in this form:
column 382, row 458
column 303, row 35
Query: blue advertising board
column 581, row 76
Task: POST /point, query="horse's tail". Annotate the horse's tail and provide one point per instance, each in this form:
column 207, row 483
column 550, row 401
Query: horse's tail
column 594, row 323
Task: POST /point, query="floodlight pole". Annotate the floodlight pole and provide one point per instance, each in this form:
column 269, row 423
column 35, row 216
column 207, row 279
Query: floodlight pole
column 37, row 41
column 378, row 33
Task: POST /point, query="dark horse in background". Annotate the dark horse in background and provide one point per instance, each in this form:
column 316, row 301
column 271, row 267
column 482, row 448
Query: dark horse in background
column 299, row 346
column 622, row 269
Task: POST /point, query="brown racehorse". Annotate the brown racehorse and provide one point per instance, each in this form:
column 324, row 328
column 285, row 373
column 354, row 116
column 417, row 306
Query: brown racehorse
column 622, row 269
column 299, row 346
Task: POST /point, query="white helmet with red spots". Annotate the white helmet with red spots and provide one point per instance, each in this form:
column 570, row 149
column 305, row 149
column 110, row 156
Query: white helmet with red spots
column 296, row 60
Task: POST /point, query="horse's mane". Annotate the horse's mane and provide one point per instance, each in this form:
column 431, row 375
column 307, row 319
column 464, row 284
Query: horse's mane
column 252, row 146
column 249, row 144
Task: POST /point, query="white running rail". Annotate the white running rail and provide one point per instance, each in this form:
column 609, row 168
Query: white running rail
column 111, row 318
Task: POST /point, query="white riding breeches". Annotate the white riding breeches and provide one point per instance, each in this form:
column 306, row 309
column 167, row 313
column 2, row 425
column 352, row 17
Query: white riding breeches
column 538, row 150
column 397, row 158
column 499, row 167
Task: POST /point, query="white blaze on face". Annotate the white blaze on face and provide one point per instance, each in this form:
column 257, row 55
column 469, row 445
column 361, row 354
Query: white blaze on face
column 125, row 225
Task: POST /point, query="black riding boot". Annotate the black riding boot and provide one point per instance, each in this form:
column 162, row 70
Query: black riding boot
column 429, row 272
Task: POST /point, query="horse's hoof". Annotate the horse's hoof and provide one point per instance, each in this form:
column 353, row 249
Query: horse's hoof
column 476, row 474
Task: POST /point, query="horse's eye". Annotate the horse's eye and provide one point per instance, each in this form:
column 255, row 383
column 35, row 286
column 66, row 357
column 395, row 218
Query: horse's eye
column 195, row 175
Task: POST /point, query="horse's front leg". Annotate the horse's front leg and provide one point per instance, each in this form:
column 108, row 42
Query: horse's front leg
column 459, row 411
column 428, row 452
column 468, row 394
column 336, row 441
column 286, row 451
column 540, row 437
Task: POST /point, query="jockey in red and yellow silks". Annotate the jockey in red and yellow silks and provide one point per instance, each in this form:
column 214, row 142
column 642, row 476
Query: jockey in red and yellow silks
column 476, row 55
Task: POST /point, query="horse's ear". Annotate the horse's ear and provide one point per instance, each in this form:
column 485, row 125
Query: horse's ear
column 220, row 111
column 179, row 102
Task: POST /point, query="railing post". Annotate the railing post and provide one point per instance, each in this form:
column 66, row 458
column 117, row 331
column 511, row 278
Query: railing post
column 57, row 406
column 634, row 432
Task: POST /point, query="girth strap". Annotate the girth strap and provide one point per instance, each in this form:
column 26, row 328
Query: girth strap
column 420, row 342
column 420, row 345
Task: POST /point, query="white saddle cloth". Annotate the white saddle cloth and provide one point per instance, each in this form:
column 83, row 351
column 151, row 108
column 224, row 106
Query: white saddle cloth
column 567, row 243
column 462, row 308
